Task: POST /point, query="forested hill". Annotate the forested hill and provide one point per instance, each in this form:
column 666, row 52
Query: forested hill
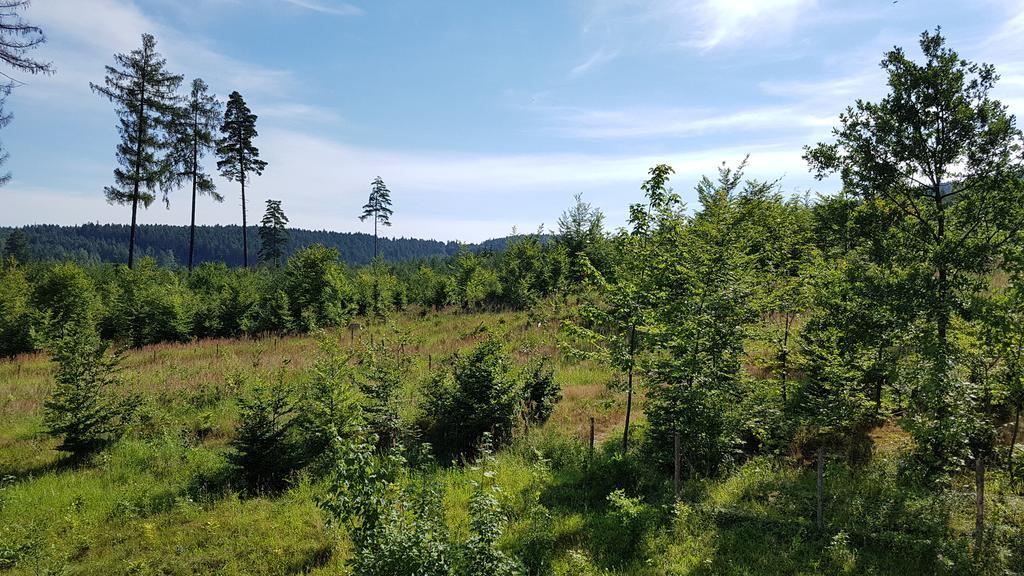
column 90, row 243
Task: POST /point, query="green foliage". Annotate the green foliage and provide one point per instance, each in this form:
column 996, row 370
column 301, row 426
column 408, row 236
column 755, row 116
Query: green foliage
column 16, row 315
column 16, row 247
column 83, row 409
column 378, row 291
column 945, row 158
column 146, row 305
column 398, row 527
column 266, row 447
column 581, row 234
column 481, row 393
column 228, row 303
column 329, row 414
column 273, row 234
column 542, row 393
column 67, row 297
column 318, row 292
column 379, row 377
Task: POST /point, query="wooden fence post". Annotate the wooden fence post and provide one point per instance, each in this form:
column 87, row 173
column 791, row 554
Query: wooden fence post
column 821, row 484
column 678, row 465
column 979, row 517
column 590, row 457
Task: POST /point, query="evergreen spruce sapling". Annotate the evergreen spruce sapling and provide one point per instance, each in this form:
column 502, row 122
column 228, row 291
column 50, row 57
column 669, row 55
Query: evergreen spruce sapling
column 83, row 410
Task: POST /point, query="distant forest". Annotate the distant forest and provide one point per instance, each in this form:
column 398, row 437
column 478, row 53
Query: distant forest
column 95, row 243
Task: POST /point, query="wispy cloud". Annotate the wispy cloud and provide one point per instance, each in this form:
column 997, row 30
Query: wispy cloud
column 594, row 61
column 701, row 24
column 663, row 122
column 445, row 195
column 336, row 8
column 728, row 22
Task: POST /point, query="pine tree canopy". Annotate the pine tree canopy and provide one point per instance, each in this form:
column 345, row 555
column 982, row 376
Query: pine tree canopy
column 379, row 204
column 145, row 95
column 273, row 233
column 238, row 156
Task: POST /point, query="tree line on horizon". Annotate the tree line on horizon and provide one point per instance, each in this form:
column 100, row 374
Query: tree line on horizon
column 91, row 244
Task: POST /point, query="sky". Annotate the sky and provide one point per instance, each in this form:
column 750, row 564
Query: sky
column 482, row 116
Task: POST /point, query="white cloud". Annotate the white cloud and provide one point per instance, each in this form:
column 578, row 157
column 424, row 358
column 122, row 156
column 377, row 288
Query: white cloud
column 661, row 122
column 336, row 8
column 594, row 61
column 701, row 24
column 729, row 22
column 85, row 34
column 323, row 183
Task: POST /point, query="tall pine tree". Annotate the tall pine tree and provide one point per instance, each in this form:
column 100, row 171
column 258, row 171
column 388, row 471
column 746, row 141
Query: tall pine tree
column 273, row 234
column 238, row 156
column 144, row 94
column 194, row 129
column 378, row 207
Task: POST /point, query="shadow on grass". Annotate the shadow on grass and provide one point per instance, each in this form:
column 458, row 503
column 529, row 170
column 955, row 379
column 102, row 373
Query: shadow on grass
column 759, row 519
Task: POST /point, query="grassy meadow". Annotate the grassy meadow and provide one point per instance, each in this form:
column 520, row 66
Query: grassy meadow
column 165, row 500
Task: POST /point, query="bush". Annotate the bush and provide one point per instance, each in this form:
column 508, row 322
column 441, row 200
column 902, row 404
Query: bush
column 379, row 377
column 15, row 311
column 480, row 394
column 541, row 391
column 329, row 414
column 226, row 301
column 82, row 409
column 266, row 450
column 66, row 296
column 318, row 293
column 148, row 305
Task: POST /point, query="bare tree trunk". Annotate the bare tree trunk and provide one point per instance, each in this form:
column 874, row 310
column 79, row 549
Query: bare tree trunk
column 629, row 388
column 590, row 456
column 821, row 486
column 1013, row 443
column 245, row 233
column 192, row 228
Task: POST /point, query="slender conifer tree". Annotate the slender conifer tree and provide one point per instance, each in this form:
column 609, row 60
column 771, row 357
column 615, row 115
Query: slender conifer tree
column 194, row 130
column 238, row 156
column 144, row 94
column 378, row 207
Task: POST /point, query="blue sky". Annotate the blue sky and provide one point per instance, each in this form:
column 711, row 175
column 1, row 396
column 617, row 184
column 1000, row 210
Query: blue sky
column 480, row 115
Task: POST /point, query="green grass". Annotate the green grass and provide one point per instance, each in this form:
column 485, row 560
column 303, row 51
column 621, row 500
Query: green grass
column 164, row 500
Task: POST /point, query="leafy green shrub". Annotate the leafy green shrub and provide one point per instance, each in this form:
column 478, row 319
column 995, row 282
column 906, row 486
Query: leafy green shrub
column 378, row 292
column 542, row 393
column 266, row 447
column 82, row 410
column 66, row 296
column 15, row 311
column 318, row 292
column 226, row 301
column 273, row 313
column 481, row 393
column 398, row 526
column 148, row 304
